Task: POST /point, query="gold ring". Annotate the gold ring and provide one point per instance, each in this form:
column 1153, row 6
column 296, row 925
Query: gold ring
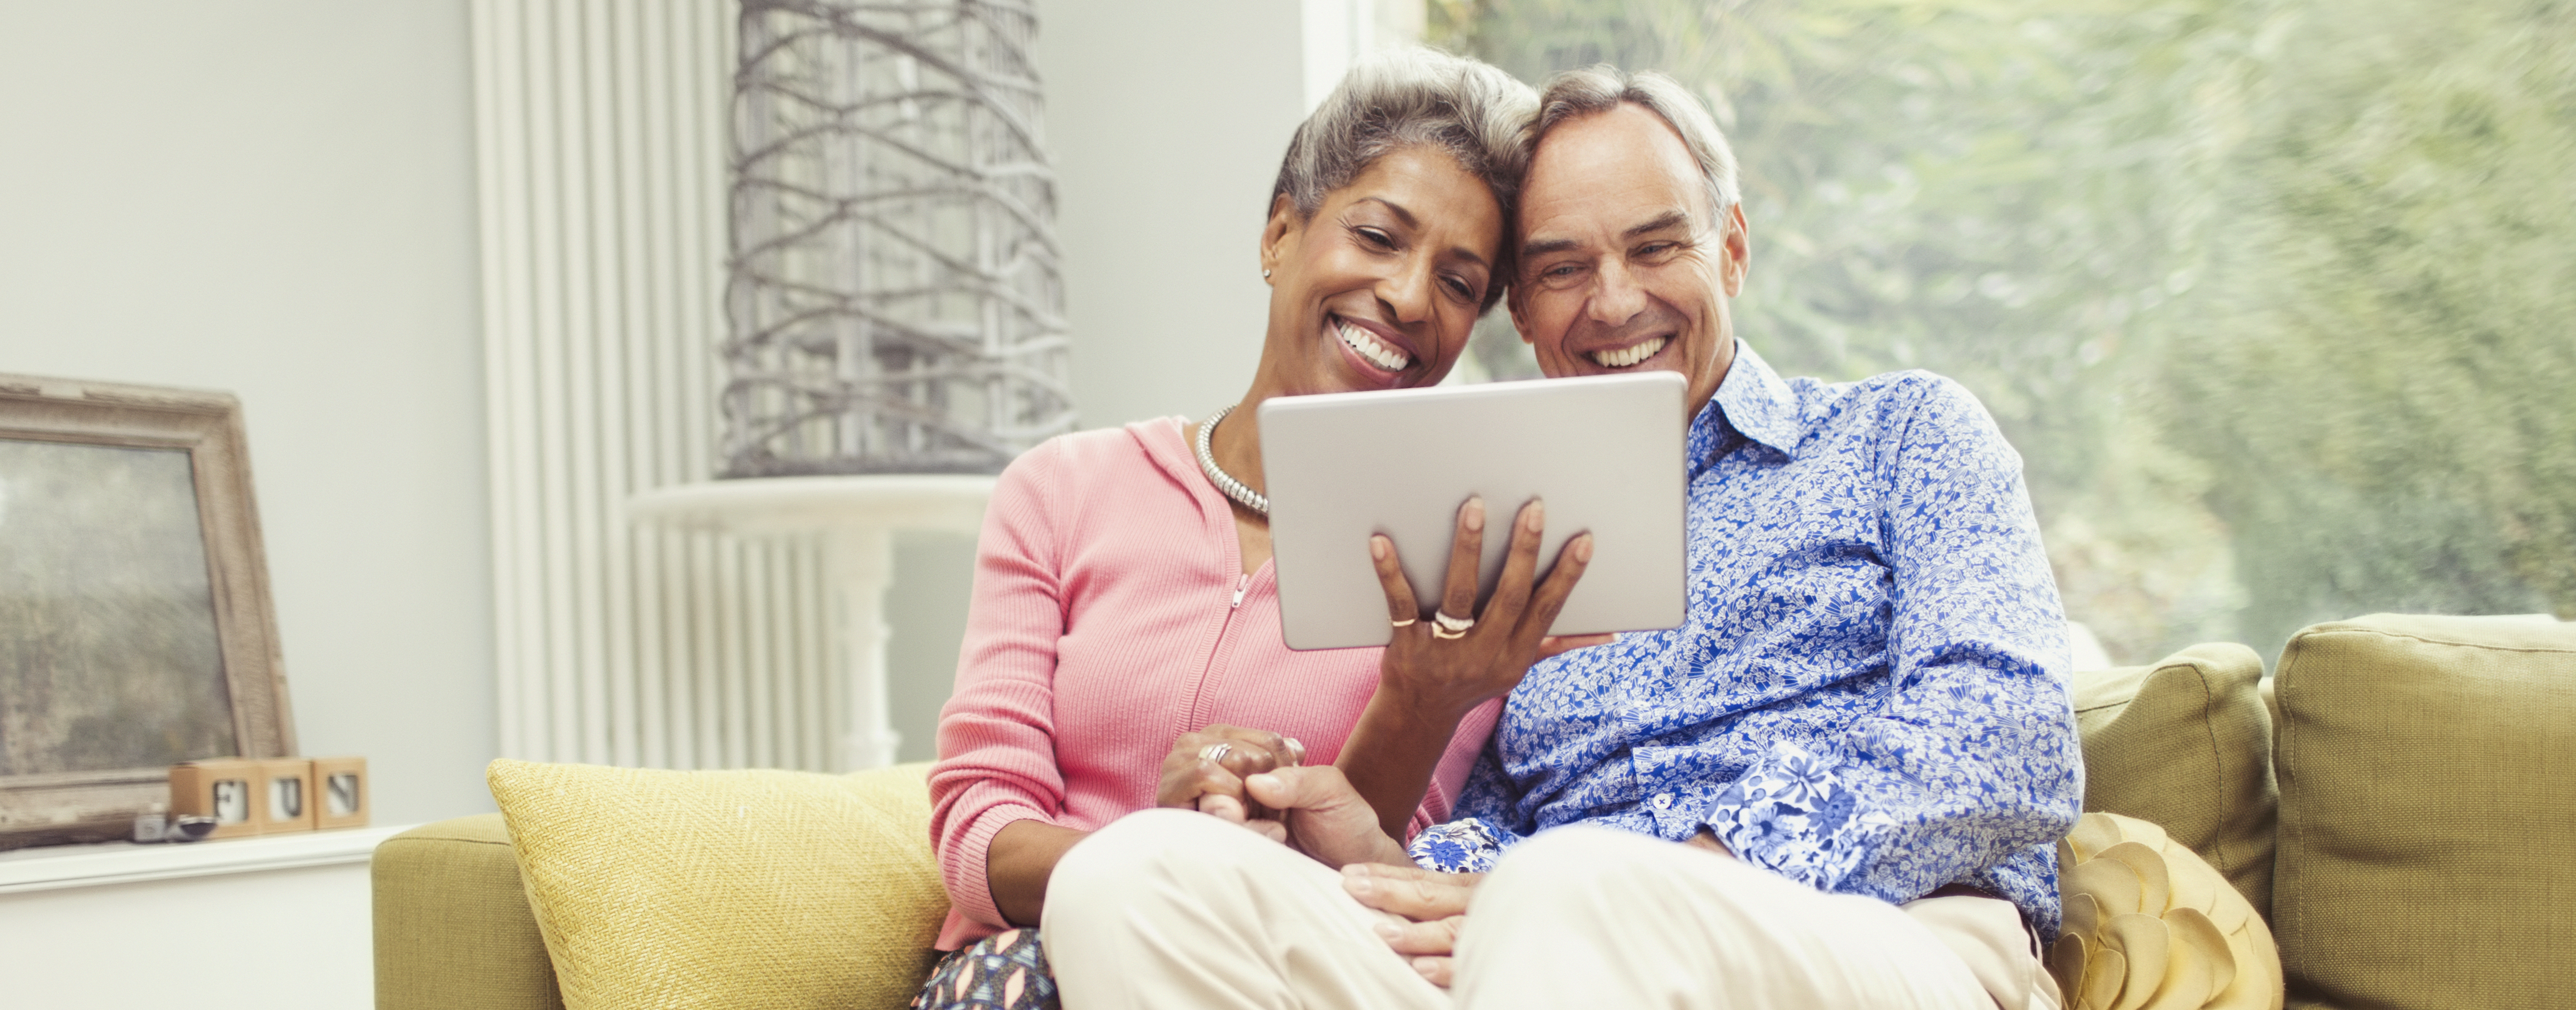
column 1440, row 632
column 1405, row 623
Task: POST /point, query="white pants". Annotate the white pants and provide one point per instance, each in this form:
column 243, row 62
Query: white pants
column 1168, row 908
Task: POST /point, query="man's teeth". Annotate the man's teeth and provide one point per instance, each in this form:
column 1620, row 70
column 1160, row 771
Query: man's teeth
column 1371, row 347
column 1630, row 355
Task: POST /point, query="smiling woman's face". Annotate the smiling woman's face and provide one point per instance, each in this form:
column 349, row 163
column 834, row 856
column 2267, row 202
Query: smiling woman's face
column 1379, row 289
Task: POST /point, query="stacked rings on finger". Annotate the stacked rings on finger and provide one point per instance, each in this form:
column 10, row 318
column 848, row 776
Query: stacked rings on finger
column 1215, row 751
column 1446, row 626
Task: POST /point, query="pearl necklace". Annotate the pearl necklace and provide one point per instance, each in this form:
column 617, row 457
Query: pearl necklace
column 1235, row 489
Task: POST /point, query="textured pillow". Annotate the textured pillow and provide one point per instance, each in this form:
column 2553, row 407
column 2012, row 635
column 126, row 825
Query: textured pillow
column 2187, row 744
column 2428, row 813
column 753, row 889
column 2149, row 924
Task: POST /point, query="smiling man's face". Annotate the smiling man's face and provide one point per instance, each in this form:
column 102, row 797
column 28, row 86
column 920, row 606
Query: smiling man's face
column 1625, row 266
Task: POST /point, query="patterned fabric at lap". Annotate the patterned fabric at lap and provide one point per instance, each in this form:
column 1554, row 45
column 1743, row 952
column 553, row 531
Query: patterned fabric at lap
column 1005, row 971
column 1468, row 846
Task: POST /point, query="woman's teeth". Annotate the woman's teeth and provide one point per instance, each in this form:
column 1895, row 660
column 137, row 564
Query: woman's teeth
column 1627, row 356
column 1370, row 347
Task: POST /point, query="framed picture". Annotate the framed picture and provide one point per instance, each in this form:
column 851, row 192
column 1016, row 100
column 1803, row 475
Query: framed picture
column 135, row 626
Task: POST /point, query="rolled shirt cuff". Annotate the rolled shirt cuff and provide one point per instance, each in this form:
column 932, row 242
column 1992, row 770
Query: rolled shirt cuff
column 1467, row 845
column 1795, row 816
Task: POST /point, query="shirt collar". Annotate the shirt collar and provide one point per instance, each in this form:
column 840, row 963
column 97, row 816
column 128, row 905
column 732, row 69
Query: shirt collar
column 1751, row 402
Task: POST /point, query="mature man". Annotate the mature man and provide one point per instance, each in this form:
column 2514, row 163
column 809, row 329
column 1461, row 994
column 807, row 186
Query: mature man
column 1839, row 784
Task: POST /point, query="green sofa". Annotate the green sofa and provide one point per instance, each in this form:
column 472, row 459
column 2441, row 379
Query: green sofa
column 2399, row 800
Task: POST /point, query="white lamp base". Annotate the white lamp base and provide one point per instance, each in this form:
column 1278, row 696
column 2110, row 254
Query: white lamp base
column 857, row 518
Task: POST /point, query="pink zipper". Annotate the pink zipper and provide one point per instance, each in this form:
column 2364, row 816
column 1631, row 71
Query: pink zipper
column 1216, row 650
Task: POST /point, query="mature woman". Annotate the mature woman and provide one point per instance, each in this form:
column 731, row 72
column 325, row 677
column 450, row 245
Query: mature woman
column 1125, row 619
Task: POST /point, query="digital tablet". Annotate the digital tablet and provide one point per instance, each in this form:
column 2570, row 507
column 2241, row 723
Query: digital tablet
column 1605, row 452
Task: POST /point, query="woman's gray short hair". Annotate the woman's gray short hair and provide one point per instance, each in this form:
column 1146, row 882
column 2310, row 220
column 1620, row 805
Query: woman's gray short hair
column 1407, row 98
column 1577, row 93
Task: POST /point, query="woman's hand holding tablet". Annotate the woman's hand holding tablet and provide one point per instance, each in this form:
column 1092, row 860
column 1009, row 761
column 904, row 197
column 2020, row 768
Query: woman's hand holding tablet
column 1435, row 666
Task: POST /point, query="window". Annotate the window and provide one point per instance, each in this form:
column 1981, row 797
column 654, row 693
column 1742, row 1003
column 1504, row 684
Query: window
column 2278, row 300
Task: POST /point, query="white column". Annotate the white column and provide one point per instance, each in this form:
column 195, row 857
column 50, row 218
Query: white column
column 860, row 564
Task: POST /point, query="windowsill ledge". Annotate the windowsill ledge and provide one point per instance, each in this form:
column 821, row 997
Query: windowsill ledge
column 57, row 867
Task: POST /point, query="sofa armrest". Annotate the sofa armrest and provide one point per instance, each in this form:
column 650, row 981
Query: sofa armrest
column 453, row 929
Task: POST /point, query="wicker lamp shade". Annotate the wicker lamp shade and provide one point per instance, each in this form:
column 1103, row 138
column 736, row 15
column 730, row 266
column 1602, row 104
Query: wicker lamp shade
column 893, row 293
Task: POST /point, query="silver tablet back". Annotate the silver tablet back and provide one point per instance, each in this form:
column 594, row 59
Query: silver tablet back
column 1605, row 452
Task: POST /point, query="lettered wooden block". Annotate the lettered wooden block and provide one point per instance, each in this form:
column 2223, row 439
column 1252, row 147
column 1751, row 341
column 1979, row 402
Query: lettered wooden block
column 343, row 800
column 285, row 795
column 226, row 789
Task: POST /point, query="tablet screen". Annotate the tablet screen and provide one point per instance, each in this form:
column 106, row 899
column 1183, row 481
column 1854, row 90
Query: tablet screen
column 1604, row 451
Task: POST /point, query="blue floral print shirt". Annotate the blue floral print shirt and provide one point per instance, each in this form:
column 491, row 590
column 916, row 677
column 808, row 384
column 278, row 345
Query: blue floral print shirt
column 1869, row 693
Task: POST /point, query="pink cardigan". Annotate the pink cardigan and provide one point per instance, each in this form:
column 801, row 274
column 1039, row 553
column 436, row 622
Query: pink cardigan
column 1111, row 615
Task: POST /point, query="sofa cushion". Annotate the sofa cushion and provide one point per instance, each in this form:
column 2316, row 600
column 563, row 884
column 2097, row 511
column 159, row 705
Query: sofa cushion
column 753, row 889
column 2428, row 835
column 453, row 927
column 2186, row 744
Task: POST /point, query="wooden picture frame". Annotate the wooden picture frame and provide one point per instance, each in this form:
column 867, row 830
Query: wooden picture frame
column 78, row 457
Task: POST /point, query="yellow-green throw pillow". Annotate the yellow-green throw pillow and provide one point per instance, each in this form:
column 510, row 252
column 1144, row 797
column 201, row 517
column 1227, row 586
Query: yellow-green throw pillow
column 2428, row 814
column 2187, row 744
column 738, row 889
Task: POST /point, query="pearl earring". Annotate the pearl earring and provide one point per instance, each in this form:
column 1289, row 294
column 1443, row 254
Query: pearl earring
column 1265, row 275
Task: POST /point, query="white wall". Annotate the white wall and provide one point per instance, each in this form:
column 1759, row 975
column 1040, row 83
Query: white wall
column 275, row 198
column 1168, row 118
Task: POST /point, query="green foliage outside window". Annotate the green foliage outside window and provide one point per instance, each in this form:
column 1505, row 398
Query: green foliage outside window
column 2277, row 299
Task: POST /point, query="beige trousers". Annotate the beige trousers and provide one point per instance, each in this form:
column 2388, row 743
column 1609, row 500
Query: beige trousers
column 1173, row 909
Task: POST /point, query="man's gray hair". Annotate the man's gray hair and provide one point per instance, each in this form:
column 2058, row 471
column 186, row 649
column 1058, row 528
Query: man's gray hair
column 1415, row 97
column 1577, row 93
